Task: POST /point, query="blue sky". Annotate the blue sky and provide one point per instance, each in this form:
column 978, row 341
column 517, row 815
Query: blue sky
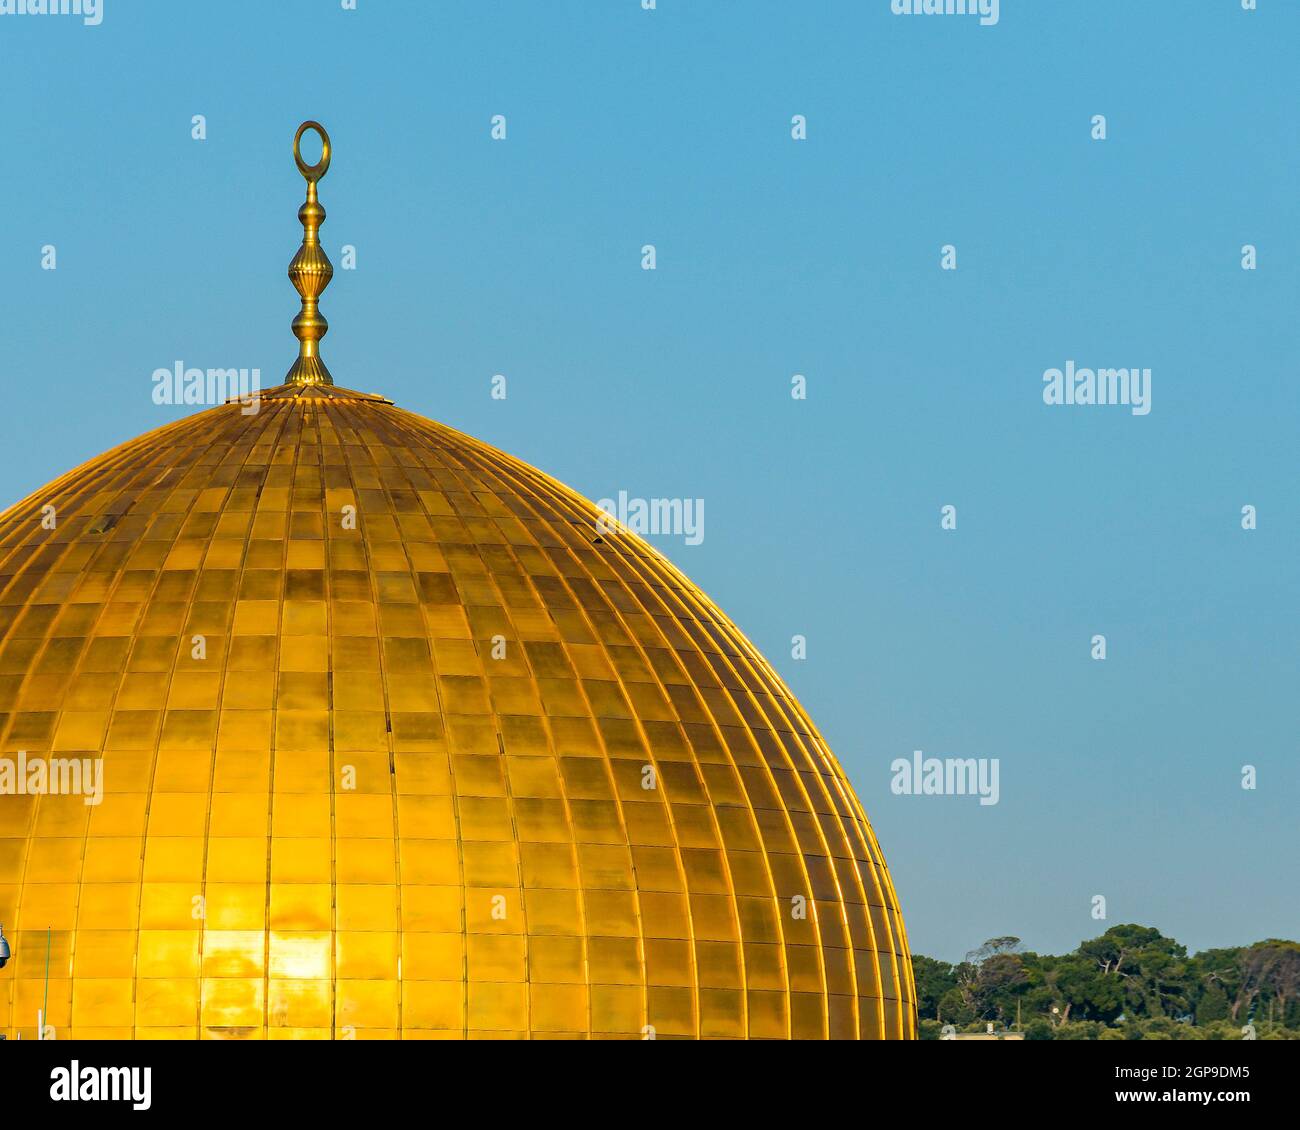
column 776, row 257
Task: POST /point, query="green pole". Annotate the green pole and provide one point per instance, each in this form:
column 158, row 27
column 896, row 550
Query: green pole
column 45, row 1004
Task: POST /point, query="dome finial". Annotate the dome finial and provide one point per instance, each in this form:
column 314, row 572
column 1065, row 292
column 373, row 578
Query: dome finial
column 310, row 272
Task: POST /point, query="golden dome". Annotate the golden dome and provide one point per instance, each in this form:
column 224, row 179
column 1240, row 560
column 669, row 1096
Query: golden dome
column 395, row 741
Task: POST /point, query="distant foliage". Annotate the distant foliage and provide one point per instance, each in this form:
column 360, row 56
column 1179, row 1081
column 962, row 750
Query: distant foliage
column 1130, row 983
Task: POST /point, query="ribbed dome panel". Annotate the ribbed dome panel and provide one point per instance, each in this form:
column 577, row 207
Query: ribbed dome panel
column 394, row 746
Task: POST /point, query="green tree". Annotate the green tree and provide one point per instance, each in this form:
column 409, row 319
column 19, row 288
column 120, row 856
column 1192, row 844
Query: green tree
column 1270, row 980
column 1151, row 968
column 957, row 1008
column 1001, row 980
column 1131, row 983
column 1212, row 1004
column 934, row 981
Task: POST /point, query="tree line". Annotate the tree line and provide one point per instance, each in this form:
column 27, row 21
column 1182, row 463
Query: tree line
column 1130, row 983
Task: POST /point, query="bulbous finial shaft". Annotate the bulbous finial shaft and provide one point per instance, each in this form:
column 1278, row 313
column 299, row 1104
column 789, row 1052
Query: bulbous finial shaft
column 310, row 271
